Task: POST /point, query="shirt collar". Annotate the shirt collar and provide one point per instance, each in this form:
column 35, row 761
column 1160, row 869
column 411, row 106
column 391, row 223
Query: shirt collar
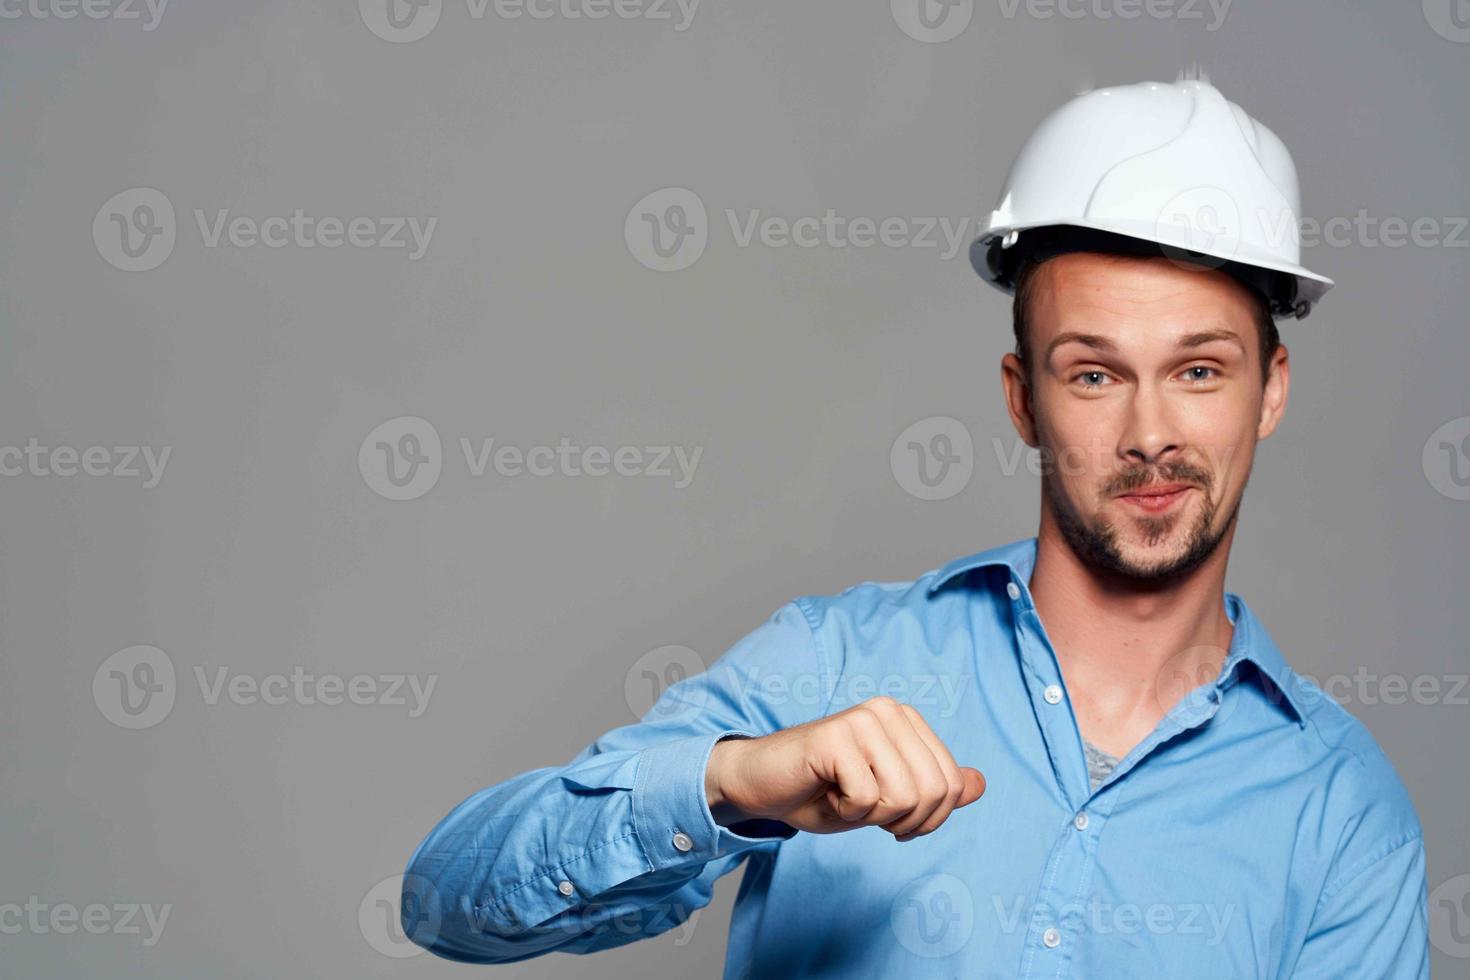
column 1249, row 642
column 1019, row 556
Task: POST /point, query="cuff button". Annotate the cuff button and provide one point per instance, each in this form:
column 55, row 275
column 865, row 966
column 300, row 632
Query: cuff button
column 682, row 843
column 566, row 888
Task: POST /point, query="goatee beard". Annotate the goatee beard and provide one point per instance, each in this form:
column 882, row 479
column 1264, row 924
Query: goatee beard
column 1097, row 547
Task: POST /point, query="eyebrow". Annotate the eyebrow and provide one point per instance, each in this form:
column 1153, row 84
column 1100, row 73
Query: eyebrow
column 1100, row 343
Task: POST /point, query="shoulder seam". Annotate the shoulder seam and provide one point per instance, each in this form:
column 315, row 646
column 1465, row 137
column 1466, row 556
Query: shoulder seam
column 1310, row 718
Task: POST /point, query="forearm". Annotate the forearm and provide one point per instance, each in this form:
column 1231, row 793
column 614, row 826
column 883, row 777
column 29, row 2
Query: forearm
column 597, row 853
column 620, row 843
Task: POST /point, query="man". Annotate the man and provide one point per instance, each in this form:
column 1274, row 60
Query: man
column 1162, row 796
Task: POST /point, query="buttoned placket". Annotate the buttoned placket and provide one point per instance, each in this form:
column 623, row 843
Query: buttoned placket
column 1057, row 921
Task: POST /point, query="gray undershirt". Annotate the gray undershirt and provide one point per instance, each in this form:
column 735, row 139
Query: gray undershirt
column 1100, row 765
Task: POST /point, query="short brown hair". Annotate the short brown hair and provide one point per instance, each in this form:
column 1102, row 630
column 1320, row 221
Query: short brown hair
column 1270, row 337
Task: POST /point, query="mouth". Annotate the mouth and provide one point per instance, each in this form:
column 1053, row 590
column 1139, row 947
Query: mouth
column 1156, row 498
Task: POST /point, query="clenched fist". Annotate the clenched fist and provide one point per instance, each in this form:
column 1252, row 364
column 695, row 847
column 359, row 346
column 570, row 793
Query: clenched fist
column 877, row 763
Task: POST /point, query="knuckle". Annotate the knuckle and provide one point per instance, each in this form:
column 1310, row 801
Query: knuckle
column 934, row 788
column 867, row 730
column 904, row 800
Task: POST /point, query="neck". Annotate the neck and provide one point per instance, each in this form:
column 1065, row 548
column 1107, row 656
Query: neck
column 1129, row 650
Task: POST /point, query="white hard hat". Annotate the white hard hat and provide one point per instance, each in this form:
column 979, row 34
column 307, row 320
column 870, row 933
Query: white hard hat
column 1155, row 168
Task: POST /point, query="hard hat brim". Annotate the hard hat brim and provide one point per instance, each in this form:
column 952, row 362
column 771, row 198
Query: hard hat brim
column 1290, row 289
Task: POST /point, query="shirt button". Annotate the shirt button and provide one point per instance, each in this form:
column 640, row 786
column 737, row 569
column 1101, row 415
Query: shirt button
column 1053, row 694
column 1051, row 938
column 1080, row 821
column 682, row 843
column 565, row 888
column 1013, row 590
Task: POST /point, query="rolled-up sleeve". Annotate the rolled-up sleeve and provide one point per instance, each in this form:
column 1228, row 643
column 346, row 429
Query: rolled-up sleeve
column 619, row 843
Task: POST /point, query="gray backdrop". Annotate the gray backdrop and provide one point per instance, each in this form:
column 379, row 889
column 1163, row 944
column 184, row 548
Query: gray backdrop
column 206, row 693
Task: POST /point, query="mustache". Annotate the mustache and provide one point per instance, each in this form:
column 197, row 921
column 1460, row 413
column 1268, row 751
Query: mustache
column 1133, row 480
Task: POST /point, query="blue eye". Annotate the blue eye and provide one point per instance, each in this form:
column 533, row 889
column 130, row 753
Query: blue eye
column 1090, row 374
column 1201, row 367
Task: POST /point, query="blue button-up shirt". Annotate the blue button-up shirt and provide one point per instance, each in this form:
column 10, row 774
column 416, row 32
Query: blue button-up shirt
column 1257, row 832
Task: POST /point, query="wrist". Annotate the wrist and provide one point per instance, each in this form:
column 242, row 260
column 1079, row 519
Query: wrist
column 714, row 784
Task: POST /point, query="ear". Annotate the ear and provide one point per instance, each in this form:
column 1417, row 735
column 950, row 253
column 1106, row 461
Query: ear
column 1273, row 398
column 1018, row 398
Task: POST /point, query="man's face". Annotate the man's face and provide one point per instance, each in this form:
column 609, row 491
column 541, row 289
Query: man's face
column 1146, row 377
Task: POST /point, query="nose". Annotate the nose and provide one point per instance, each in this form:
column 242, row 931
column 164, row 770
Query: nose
column 1151, row 433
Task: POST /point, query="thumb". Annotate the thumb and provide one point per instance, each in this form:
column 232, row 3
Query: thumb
column 974, row 786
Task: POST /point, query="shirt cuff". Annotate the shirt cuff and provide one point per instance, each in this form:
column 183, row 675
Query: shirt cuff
column 671, row 813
